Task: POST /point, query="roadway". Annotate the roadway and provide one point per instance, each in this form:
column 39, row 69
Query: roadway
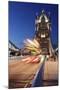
column 22, row 74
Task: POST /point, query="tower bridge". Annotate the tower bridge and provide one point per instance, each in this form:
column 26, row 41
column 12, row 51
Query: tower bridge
column 27, row 72
column 42, row 33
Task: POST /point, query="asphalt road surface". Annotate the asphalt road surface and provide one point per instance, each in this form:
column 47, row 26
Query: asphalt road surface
column 21, row 74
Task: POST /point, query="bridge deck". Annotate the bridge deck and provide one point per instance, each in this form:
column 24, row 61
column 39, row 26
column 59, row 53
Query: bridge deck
column 21, row 74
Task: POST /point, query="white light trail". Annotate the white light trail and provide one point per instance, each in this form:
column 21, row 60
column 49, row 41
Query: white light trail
column 32, row 43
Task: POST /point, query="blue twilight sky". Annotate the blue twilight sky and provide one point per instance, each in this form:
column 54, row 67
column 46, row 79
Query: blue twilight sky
column 22, row 21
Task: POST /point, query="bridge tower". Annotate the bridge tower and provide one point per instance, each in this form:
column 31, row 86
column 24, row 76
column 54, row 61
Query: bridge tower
column 42, row 33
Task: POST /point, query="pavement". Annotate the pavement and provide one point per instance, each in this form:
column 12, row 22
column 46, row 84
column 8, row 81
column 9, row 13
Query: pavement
column 50, row 73
column 21, row 74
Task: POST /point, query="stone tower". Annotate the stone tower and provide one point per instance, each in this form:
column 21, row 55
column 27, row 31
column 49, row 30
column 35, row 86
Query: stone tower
column 42, row 33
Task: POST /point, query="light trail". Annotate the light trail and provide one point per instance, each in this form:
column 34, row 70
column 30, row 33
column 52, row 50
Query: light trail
column 31, row 59
column 30, row 43
column 36, row 42
column 34, row 59
column 33, row 46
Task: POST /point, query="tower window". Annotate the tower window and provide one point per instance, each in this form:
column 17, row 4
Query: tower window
column 42, row 35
